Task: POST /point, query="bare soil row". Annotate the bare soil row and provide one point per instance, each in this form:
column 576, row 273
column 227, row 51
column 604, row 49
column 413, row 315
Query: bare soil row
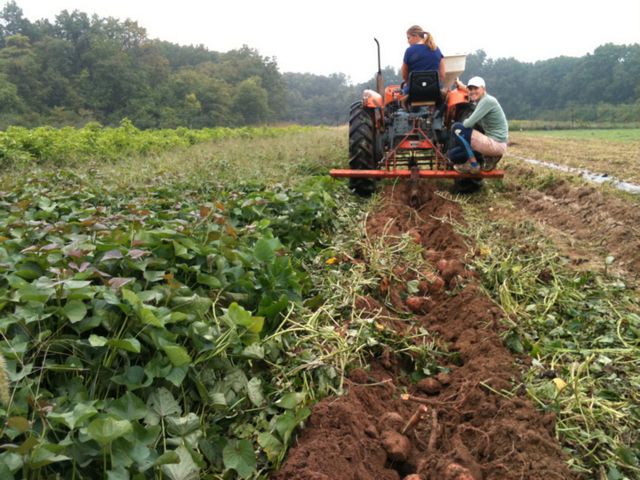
column 457, row 425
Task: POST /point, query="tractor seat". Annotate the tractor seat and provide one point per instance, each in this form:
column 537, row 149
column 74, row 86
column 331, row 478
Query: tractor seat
column 424, row 89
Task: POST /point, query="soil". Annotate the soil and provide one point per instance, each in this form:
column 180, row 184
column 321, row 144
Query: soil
column 478, row 423
column 589, row 224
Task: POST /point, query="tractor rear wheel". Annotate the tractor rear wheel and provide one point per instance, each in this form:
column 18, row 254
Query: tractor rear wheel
column 364, row 148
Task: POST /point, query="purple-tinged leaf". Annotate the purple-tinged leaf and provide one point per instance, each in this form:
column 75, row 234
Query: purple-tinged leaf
column 119, row 282
column 79, row 268
column 136, row 253
column 112, row 255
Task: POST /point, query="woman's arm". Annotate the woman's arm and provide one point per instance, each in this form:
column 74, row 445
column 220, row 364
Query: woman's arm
column 483, row 107
column 405, row 72
column 442, row 72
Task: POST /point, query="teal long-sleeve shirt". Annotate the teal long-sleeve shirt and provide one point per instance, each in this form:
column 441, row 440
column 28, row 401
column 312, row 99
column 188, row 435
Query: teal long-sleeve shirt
column 489, row 115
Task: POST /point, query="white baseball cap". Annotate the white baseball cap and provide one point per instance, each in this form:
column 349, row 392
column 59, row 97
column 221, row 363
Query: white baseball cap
column 476, row 82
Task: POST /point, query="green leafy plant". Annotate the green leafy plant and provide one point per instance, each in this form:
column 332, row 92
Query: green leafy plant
column 138, row 332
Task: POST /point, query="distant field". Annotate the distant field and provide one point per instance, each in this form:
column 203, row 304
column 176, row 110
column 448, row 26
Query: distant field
column 615, row 152
column 616, row 135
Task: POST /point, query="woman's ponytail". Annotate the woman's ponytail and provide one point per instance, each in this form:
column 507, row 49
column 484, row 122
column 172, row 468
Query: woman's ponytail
column 429, row 41
column 427, row 38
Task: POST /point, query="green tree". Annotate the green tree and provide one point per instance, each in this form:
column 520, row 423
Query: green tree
column 251, row 101
column 10, row 101
column 13, row 22
column 19, row 63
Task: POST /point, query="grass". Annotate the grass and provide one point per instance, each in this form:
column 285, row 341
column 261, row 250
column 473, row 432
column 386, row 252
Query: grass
column 284, row 159
column 582, row 331
column 569, row 125
column 613, row 135
column 612, row 152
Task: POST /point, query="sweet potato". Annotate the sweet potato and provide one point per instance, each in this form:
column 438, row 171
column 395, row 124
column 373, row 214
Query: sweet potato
column 442, row 265
column 423, row 287
column 456, row 471
column 429, row 385
column 444, row 378
column 397, row 446
column 415, row 303
column 419, row 304
column 431, row 255
column 391, row 421
column 453, row 268
column 437, row 284
column 415, row 235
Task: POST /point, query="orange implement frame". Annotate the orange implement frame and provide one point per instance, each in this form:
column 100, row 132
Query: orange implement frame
column 379, row 174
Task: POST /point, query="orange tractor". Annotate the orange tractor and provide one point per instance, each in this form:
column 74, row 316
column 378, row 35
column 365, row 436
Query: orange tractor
column 396, row 136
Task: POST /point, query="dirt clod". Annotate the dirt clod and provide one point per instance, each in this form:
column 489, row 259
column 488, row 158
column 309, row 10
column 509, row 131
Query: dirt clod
column 371, row 431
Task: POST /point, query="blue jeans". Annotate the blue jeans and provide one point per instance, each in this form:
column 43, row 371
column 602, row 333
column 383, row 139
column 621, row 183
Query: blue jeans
column 460, row 152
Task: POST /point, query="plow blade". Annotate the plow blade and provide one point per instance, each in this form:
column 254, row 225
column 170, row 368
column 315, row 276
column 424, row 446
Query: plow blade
column 407, row 174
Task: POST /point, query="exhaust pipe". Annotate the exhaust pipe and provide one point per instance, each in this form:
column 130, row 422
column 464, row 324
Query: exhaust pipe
column 379, row 78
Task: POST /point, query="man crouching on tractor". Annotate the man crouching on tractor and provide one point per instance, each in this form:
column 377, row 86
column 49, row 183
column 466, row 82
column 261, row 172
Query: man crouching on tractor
column 489, row 116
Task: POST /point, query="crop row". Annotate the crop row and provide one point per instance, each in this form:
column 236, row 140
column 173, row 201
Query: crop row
column 20, row 145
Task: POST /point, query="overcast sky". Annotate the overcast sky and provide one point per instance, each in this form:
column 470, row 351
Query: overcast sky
column 329, row 36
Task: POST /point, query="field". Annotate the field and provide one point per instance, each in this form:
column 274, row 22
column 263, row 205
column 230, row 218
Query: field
column 220, row 308
column 615, row 152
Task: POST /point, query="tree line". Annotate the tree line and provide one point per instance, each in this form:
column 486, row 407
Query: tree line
column 603, row 86
column 80, row 68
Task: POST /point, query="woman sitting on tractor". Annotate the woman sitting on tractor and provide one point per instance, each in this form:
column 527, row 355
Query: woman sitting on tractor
column 422, row 55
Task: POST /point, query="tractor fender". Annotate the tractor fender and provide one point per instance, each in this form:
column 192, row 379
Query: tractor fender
column 456, row 97
column 371, row 99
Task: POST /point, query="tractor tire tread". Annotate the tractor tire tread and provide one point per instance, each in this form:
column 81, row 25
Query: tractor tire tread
column 361, row 148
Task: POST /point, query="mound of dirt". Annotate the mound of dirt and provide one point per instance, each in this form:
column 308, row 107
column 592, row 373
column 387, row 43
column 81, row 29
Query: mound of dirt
column 471, row 428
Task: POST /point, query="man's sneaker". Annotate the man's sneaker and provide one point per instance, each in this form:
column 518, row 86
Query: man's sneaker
column 470, row 166
column 490, row 163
